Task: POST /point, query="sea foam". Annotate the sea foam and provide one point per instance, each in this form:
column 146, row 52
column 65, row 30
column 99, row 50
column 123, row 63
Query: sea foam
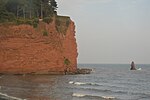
column 79, row 95
column 10, row 97
column 83, row 83
column 139, row 69
column 108, row 97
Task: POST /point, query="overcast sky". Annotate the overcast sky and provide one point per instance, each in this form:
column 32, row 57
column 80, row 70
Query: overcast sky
column 110, row 31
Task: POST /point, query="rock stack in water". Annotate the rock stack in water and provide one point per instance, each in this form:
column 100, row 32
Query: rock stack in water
column 132, row 66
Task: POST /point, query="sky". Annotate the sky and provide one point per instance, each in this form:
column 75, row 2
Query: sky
column 110, row 31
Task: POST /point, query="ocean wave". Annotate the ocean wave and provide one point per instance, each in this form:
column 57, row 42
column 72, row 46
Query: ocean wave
column 84, row 83
column 2, row 95
column 139, row 69
column 141, row 94
column 79, row 95
column 86, row 87
column 108, row 97
column 100, row 90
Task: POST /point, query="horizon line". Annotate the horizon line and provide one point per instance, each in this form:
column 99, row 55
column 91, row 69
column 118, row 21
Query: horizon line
column 115, row 63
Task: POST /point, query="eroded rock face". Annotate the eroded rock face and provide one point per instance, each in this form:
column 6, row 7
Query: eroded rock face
column 24, row 49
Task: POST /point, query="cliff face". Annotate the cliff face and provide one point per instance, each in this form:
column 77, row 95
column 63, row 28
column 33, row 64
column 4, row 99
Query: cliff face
column 42, row 50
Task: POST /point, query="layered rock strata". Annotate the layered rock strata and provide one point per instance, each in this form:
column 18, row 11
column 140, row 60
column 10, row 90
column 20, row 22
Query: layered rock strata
column 42, row 50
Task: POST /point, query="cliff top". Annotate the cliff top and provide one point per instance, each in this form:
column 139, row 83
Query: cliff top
column 11, row 10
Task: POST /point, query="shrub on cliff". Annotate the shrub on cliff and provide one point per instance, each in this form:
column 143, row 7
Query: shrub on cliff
column 35, row 22
column 6, row 17
column 45, row 33
column 66, row 61
column 47, row 20
column 20, row 21
column 62, row 24
column 32, row 22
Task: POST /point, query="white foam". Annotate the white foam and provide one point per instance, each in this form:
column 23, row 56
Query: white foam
column 79, row 83
column 108, row 97
column 93, row 83
column 82, row 83
column 139, row 68
column 11, row 97
column 71, row 82
column 78, row 95
column 93, row 70
column 89, row 95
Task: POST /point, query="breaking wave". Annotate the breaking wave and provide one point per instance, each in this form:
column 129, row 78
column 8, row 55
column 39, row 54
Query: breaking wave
column 139, row 69
column 84, row 83
column 99, row 90
column 79, row 95
column 5, row 96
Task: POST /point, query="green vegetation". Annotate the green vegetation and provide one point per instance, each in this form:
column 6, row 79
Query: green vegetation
column 47, row 20
column 45, row 33
column 62, row 23
column 67, row 62
column 30, row 11
column 27, row 10
column 33, row 22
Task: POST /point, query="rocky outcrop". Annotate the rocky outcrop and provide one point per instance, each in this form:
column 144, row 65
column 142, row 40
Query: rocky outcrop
column 132, row 66
column 41, row 50
column 83, row 71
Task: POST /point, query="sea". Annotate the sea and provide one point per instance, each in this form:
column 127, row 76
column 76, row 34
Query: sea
column 106, row 82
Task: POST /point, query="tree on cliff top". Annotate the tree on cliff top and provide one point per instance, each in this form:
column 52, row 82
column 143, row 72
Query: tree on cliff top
column 27, row 9
column 4, row 14
column 54, row 5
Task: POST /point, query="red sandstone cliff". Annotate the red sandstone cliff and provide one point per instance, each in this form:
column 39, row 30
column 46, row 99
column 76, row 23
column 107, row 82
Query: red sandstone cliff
column 25, row 50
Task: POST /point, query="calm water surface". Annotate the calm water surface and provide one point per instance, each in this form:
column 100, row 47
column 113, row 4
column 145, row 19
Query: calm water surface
column 107, row 80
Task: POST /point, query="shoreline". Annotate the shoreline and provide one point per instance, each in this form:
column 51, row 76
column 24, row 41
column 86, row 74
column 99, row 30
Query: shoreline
column 78, row 71
column 7, row 97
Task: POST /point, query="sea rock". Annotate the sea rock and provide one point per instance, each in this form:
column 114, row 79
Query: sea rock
column 26, row 50
column 83, row 71
column 132, row 66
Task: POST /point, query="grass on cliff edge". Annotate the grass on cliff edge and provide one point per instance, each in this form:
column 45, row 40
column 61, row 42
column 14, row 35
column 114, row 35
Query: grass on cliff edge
column 62, row 24
column 19, row 21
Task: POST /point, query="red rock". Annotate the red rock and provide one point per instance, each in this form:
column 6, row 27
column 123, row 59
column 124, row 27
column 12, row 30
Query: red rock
column 24, row 49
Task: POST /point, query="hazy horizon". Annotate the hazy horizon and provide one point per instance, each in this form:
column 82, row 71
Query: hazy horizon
column 110, row 31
